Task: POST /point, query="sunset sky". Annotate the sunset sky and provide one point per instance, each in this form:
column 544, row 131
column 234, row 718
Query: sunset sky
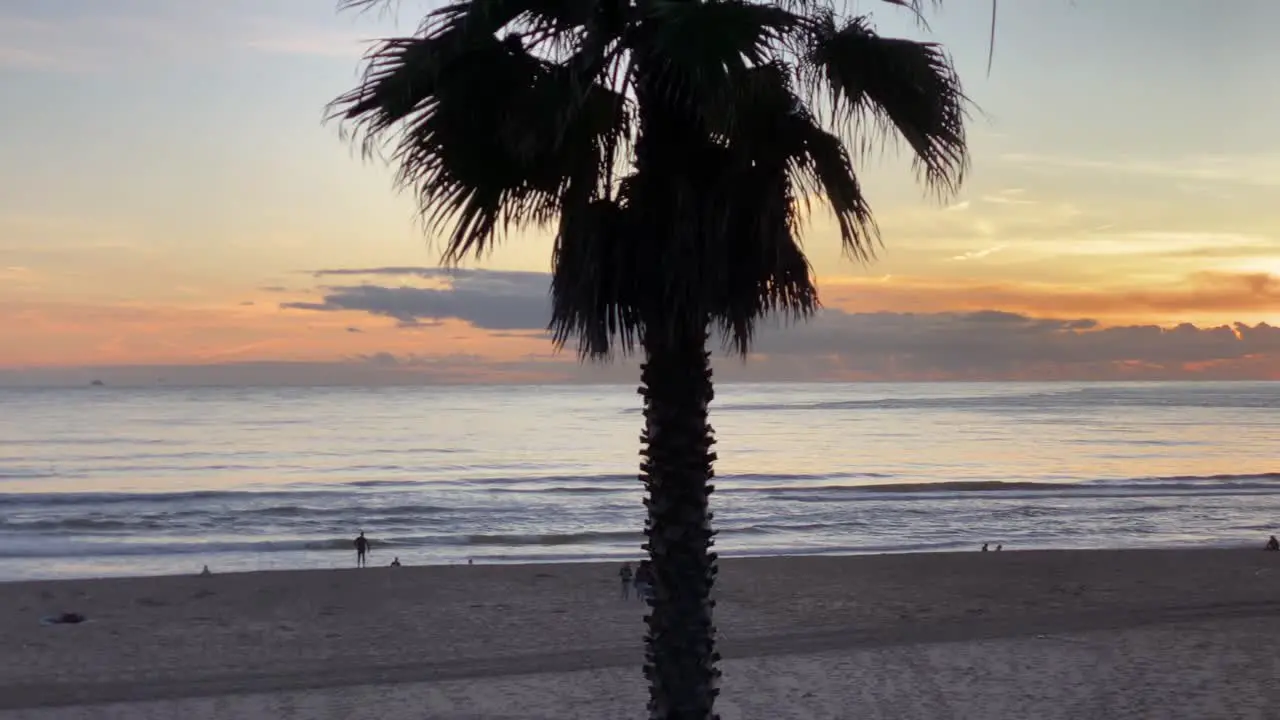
column 173, row 210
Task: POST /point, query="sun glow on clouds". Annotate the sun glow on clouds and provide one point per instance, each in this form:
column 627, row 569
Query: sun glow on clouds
column 68, row 335
column 1202, row 297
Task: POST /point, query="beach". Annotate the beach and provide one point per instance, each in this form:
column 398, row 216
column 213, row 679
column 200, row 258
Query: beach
column 1130, row 633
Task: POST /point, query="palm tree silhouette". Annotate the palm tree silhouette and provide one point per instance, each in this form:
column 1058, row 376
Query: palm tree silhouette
column 675, row 147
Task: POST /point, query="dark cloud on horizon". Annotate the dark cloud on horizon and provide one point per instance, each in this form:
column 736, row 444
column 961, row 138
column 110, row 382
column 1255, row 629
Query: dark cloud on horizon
column 992, row 344
column 988, row 344
column 487, row 299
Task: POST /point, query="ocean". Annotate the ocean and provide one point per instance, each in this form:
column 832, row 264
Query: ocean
column 111, row 481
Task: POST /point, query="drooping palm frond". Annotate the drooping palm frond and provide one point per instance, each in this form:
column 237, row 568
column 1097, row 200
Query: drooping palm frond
column 828, row 173
column 917, row 8
column 399, row 75
column 754, row 207
column 486, row 134
column 903, row 86
column 771, row 126
column 454, row 149
column 595, row 284
column 764, row 271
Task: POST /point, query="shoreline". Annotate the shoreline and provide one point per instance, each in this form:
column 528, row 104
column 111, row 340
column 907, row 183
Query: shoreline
column 559, row 515
column 171, row 637
column 787, row 553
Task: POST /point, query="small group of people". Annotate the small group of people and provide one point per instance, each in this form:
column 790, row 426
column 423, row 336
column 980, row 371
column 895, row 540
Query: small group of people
column 641, row 580
column 998, row 547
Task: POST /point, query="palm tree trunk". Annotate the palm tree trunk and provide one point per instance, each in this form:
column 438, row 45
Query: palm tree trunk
column 680, row 656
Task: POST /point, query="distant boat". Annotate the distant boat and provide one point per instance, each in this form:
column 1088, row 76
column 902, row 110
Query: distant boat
column 96, row 383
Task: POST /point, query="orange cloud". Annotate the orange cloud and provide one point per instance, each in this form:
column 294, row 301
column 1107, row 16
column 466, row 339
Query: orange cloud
column 1201, row 297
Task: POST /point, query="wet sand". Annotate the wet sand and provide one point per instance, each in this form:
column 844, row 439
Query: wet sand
column 1160, row 634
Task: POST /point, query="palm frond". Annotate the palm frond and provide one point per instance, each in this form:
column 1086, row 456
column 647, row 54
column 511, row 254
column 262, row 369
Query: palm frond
column 898, row 85
column 747, row 104
column 538, row 22
column 828, row 171
column 716, row 239
column 916, row 8
column 400, row 74
column 486, row 134
column 991, row 47
column 687, row 49
column 762, row 269
column 754, row 207
column 772, row 129
column 695, row 35
column 595, row 281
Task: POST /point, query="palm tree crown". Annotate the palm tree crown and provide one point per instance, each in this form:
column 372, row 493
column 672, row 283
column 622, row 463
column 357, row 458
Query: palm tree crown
column 674, row 145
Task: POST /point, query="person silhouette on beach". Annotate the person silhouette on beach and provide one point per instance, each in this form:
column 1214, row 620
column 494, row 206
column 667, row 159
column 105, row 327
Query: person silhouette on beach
column 395, row 562
column 984, row 547
column 362, row 550
column 624, row 574
column 644, row 580
column 1273, row 545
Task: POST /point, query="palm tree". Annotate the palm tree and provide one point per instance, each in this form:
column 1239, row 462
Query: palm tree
column 675, row 146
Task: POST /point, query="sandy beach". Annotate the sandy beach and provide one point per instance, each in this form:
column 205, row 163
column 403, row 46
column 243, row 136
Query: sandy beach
column 1011, row 635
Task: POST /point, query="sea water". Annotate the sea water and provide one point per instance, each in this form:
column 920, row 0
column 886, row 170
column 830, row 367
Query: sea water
column 110, row 481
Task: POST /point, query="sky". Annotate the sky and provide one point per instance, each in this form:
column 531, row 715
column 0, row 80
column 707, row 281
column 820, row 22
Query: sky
column 173, row 210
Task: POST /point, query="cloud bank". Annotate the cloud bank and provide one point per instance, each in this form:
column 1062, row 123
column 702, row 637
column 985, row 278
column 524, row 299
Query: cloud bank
column 977, row 345
column 486, row 299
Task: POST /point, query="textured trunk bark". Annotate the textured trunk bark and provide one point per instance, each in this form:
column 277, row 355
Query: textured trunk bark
column 680, row 656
